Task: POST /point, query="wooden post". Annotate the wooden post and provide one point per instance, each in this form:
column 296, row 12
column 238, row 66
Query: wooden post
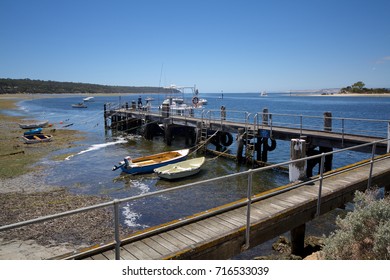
column 168, row 131
column 388, row 137
column 198, row 132
column 297, row 170
column 327, row 121
column 265, row 116
column 240, row 144
column 298, row 240
column 258, row 148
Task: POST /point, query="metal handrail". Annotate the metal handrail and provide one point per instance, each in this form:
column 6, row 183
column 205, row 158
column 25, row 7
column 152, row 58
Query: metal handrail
column 115, row 203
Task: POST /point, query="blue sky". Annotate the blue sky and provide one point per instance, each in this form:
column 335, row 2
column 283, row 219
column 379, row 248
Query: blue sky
column 234, row 46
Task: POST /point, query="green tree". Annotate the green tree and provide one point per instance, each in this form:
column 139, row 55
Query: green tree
column 358, row 85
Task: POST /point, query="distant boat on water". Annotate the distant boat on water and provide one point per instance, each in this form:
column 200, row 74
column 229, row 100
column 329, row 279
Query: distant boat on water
column 263, row 93
column 89, row 99
column 79, row 105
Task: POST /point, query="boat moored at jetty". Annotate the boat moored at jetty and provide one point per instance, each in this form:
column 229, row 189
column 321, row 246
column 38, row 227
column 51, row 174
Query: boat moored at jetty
column 147, row 164
column 180, row 169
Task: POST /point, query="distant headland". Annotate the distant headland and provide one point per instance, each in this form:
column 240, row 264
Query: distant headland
column 14, row 86
column 359, row 88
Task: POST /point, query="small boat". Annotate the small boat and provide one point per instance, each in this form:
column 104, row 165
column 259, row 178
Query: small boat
column 89, row 99
column 263, row 93
column 147, row 164
column 33, row 125
column 79, row 105
column 181, row 169
column 203, row 101
column 36, row 138
column 33, row 131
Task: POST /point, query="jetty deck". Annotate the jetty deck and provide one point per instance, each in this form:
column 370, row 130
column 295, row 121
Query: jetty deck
column 223, row 234
column 336, row 138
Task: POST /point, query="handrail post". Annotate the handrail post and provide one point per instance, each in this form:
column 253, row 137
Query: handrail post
column 342, row 132
column 388, row 137
column 117, row 235
column 248, row 212
column 301, row 124
column 320, row 187
column 371, row 165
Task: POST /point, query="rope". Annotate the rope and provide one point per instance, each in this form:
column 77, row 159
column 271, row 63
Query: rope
column 222, row 153
column 204, row 143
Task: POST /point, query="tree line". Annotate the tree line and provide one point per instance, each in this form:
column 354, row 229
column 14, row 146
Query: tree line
column 359, row 87
column 13, row 86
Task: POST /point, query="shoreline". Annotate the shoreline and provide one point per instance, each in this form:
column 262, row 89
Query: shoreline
column 343, row 94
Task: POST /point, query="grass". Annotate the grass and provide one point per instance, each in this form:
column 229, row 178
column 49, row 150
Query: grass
column 16, row 157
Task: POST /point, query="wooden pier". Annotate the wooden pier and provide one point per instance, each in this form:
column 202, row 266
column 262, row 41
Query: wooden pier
column 128, row 118
column 223, row 234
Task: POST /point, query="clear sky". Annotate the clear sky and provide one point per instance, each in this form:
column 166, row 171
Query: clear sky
column 234, row 46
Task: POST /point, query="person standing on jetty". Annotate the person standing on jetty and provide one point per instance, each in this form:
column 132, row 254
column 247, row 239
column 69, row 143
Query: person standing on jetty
column 223, row 113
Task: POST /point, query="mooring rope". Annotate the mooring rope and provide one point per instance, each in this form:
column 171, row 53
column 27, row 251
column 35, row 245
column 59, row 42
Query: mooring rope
column 203, row 144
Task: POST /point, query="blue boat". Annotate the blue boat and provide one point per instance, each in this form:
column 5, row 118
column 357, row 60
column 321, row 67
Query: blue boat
column 147, row 164
column 33, row 131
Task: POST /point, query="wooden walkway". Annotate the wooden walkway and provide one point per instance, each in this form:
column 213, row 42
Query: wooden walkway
column 223, row 235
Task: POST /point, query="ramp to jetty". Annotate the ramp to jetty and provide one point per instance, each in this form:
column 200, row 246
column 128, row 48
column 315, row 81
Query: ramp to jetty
column 224, row 233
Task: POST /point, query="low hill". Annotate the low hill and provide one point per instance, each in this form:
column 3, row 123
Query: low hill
column 12, row 86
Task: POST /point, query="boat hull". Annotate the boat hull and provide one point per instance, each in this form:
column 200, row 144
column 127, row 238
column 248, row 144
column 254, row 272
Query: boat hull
column 36, row 138
column 33, row 131
column 33, row 125
column 180, row 170
column 147, row 164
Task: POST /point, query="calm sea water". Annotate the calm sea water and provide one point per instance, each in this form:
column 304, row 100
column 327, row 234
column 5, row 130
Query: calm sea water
column 87, row 169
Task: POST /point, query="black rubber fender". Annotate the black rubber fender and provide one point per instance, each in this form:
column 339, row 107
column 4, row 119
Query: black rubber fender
column 269, row 147
column 226, row 139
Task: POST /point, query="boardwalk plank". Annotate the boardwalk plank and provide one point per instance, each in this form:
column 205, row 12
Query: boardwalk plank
column 156, row 246
column 216, row 227
column 218, row 219
column 99, row 257
column 183, row 238
column 126, row 255
column 232, row 219
column 165, row 243
column 136, row 252
column 153, row 254
column 173, row 240
column 200, row 230
column 189, row 234
column 215, row 222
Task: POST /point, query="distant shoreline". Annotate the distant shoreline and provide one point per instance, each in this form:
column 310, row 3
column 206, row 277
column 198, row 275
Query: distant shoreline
column 345, row 94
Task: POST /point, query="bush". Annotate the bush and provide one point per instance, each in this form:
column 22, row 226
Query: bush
column 363, row 234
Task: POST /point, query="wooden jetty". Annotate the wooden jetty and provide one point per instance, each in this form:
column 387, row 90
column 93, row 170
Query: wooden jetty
column 255, row 134
column 223, row 233
column 127, row 118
